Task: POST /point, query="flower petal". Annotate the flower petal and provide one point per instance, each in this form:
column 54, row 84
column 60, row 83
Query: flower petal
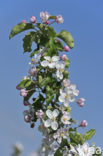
column 54, row 125
column 55, row 58
column 49, row 113
column 47, row 58
column 44, row 63
column 47, row 123
column 55, row 113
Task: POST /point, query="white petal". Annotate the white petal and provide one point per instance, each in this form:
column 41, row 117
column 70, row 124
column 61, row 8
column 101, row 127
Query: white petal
column 59, row 75
column 47, row 123
column 61, row 98
column 49, row 113
column 44, row 63
column 66, row 103
column 54, row 125
column 73, row 86
column 47, row 58
column 55, row 58
column 55, row 113
column 51, row 65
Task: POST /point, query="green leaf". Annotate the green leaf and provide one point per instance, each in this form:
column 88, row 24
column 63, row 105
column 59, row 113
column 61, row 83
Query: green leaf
column 25, row 83
column 20, row 28
column 67, row 63
column 67, row 38
column 31, row 89
column 27, row 41
column 52, row 17
column 58, row 153
column 88, row 135
column 40, row 79
column 45, row 81
column 49, row 98
column 66, row 74
column 77, row 138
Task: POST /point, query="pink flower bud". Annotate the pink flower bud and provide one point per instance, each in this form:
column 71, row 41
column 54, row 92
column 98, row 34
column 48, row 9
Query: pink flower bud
column 23, row 21
column 63, row 57
column 47, row 22
column 66, row 83
column 23, row 92
column 59, row 19
column 26, row 103
column 33, row 72
column 39, row 114
column 80, row 102
column 27, row 118
column 66, row 48
column 83, row 123
column 33, row 19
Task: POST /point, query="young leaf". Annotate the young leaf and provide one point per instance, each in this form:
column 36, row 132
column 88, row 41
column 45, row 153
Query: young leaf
column 25, row 83
column 20, row 28
column 77, row 138
column 67, row 38
column 88, row 135
column 27, row 41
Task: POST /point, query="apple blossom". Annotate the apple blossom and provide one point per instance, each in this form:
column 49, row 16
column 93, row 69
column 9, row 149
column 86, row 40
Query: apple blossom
column 64, row 57
column 18, row 146
column 61, row 133
column 27, row 118
column 80, row 102
column 59, row 19
column 83, row 123
column 85, row 150
column 66, row 83
column 65, row 119
column 50, row 61
column 44, row 16
column 23, row 92
column 40, row 114
column 33, row 71
column 51, row 122
column 33, row 19
column 66, row 48
column 60, row 66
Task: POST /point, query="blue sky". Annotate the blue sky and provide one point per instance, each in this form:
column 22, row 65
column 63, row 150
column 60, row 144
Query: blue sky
column 84, row 19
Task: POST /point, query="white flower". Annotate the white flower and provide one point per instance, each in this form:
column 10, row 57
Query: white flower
column 65, row 97
column 44, row 16
column 65, row 119
column 66, row 83
column 18, row 146
column 35, row 59
column 72, row 89
column 50, row 61
column 51, row 122
column 60, row 69
column 59, row 19
column 68, row 95
column 61, row 134
column 85, row 150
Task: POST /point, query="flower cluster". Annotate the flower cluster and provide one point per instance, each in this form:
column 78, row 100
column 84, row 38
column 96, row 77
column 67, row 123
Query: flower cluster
column 49, row 87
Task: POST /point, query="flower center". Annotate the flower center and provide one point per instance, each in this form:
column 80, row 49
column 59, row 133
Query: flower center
column 67, row 96
column 65, row 119
column 61, row 134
